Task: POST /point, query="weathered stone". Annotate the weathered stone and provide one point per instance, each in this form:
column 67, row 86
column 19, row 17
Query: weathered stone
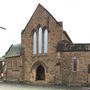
column 57, row 63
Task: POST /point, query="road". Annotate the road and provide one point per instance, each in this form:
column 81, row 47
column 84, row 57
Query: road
column 13, row 86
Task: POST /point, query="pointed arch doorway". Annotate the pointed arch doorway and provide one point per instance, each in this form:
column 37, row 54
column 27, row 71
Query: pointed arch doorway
column 40, row 73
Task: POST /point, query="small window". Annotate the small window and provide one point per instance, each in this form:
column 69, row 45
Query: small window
column 89, row 68
column 74, row 64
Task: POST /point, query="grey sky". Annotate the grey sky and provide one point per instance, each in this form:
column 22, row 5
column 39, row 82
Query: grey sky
column 14, row 15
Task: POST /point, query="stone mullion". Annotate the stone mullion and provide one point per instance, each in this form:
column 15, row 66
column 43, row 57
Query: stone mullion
column 43, row 42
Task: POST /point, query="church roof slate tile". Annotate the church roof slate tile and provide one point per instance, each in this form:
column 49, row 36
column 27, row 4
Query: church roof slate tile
column 14, row 50
column 2, row 58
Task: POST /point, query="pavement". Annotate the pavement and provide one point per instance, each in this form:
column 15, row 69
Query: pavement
column 15, row 86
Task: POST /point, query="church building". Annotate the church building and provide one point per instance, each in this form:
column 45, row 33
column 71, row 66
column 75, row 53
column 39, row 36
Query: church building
column 47, row 55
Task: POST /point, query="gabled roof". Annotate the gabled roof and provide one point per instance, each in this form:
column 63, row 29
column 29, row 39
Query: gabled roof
column 60, row 23
column 65, row 33
column 49, row 14
column 14, row 50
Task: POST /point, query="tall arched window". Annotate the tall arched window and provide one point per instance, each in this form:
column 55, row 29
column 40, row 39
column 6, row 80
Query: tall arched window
column 45, row 41
column 74, row 64
column 40, row 40
column 34, row 43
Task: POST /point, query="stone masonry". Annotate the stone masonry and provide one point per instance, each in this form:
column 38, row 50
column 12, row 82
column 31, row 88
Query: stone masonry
column 55, row 65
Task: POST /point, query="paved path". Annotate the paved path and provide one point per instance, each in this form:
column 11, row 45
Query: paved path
column 13, row 86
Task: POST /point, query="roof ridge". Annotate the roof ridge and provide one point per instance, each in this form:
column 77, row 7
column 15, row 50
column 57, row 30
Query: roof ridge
column 39, row 5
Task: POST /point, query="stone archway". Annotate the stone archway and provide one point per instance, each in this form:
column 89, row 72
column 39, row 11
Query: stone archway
column 40, row 73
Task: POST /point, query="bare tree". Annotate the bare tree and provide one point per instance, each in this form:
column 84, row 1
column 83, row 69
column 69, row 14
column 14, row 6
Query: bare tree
column 2, row 28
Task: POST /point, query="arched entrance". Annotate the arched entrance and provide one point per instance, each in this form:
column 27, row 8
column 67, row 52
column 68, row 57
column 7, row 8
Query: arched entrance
column 40, row 73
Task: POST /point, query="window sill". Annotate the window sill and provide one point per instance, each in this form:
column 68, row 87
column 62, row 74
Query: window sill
column 39, row 55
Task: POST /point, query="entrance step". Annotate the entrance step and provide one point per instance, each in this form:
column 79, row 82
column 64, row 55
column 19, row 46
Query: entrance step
column 41, row 82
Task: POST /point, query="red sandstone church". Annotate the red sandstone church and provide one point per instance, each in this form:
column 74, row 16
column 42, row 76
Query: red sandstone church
column 47, row 55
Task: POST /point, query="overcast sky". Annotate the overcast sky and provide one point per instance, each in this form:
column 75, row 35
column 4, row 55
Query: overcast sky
column 14, row 15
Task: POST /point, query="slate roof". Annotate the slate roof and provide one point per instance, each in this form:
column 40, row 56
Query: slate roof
column 2, row 58
column 14, row 50
column 72, row 47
